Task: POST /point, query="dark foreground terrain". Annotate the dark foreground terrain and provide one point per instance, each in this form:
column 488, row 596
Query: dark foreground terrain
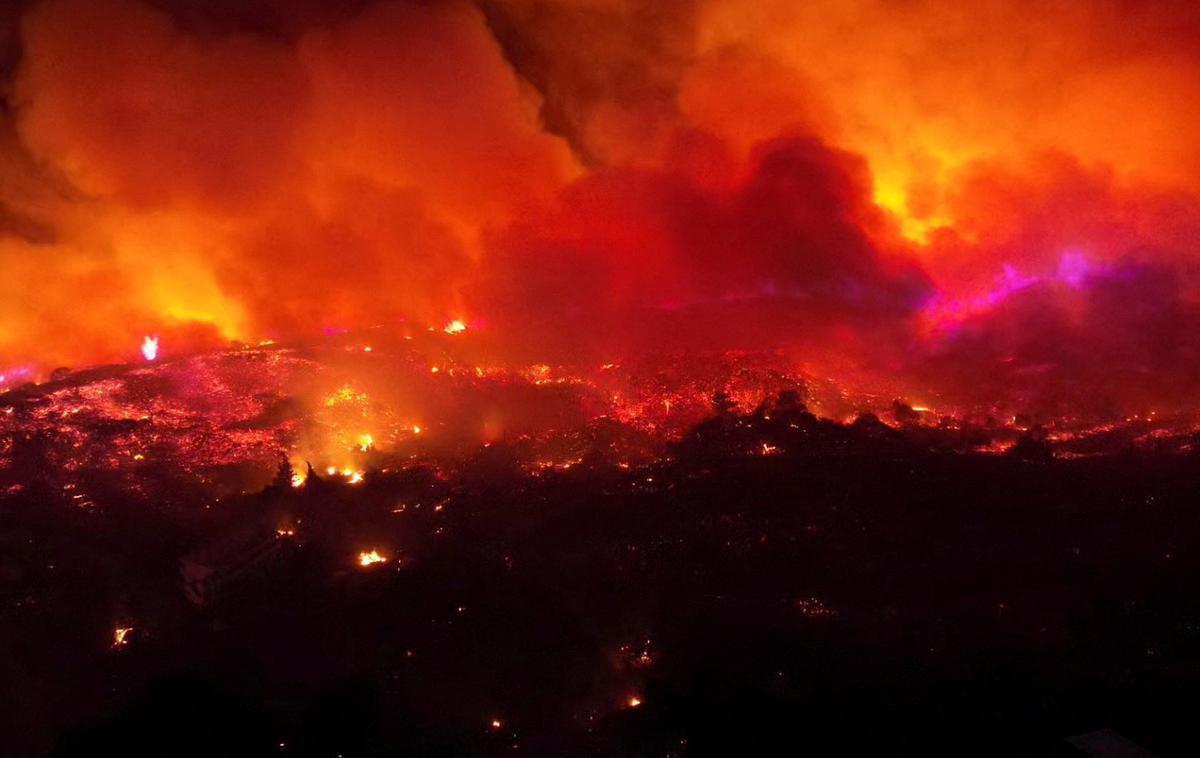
column 774, row 585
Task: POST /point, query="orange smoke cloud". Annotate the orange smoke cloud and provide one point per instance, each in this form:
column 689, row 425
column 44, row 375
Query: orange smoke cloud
column 256, row 184
column 925, row 188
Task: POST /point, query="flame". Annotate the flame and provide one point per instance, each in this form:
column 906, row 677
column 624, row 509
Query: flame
column 150, row 348
column 121, row 636
column 370, row 558
column 455, row 327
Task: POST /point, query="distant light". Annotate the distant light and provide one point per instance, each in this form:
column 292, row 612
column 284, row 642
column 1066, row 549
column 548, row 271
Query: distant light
column 497, row 723
column 150, row 348
column 634, row 701
column 1073, row 268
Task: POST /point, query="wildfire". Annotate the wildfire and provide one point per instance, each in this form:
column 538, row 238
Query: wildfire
column 150, row 348
column 957, row 149
column 350, row 475
column 370, row 558
column 365, row 442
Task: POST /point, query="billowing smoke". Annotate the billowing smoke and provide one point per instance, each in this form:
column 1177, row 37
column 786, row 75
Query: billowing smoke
column 984, row 202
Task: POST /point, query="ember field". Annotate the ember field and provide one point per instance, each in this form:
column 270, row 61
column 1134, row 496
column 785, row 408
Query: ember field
column 762, row 577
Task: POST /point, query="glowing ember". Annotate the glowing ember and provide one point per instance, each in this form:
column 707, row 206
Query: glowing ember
column 370, row 558
column 150, row 348
column 813, row 608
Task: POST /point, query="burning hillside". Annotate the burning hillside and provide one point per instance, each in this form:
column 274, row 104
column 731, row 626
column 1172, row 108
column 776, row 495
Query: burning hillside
column 223, row 422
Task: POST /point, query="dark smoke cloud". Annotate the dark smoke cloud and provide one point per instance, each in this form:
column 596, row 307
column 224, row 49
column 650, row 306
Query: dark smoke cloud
column 708, row 257
column 608, row 70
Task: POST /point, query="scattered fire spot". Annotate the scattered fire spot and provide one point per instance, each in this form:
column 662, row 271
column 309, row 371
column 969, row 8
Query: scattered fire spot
column 811, row 607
